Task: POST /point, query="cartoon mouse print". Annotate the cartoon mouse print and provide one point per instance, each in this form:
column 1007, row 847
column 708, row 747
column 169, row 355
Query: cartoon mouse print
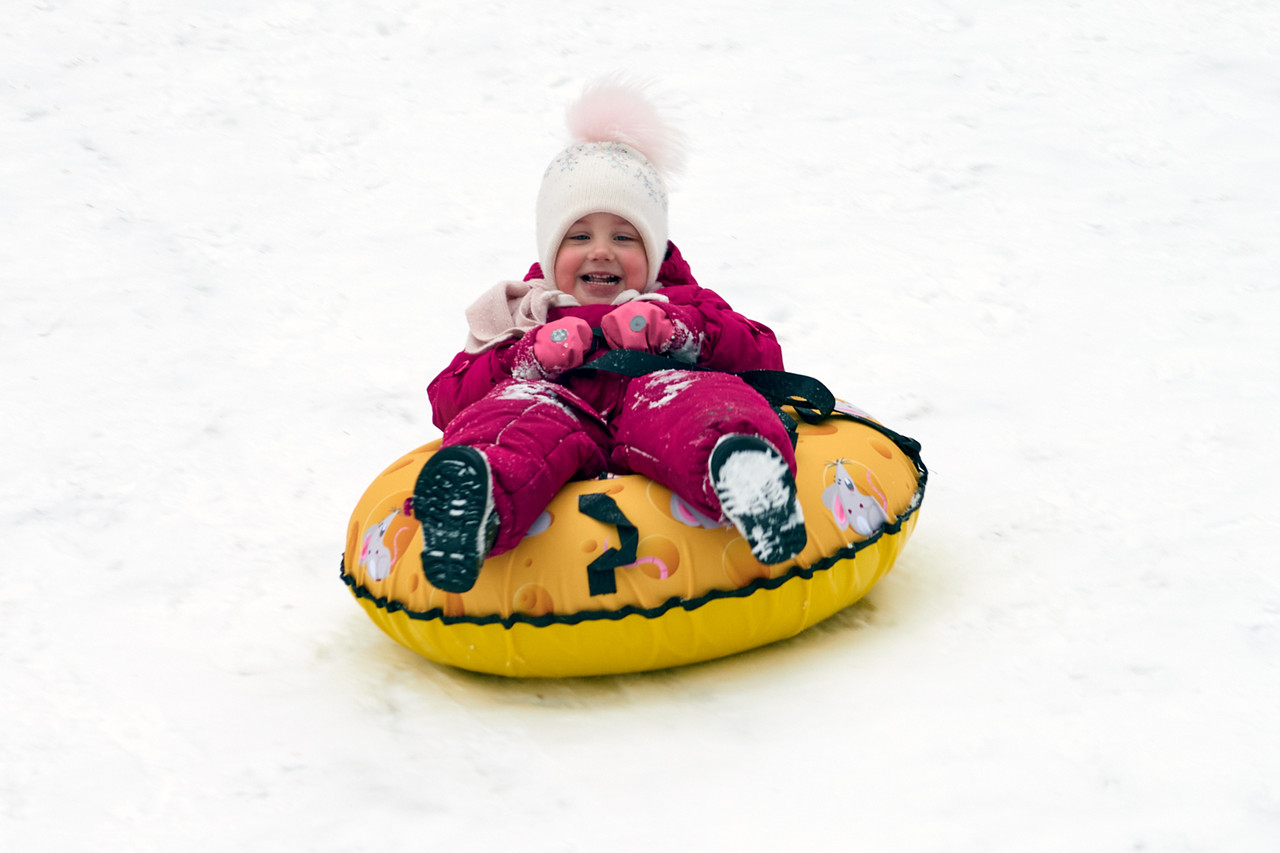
column 375, row 557
column 851, row 507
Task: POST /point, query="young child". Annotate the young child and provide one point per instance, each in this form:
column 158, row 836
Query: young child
column 519, row 422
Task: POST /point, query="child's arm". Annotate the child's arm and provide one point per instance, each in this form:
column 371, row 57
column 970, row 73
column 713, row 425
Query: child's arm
column 542, row 353
column 722, row 338
column 468, row 377
column 734, row 342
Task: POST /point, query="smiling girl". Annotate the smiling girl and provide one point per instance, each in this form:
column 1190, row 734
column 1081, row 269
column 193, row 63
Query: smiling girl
column 520, row 420
column 602, row 254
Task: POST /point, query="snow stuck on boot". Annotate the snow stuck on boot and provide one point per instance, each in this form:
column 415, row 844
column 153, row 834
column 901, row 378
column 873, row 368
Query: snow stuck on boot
column 758, row 494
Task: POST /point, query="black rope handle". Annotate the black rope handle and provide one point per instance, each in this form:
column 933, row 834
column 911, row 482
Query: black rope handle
column 809, row 397
column 812, row 400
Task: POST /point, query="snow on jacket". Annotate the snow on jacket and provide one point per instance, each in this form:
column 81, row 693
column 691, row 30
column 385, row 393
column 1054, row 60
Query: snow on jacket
column 725, row 340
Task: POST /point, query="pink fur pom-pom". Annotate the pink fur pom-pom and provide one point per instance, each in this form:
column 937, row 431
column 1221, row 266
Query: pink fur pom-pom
column 616, row 109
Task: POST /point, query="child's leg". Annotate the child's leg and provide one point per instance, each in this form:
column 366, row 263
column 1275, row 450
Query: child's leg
column 536, row 436
column 672, row 421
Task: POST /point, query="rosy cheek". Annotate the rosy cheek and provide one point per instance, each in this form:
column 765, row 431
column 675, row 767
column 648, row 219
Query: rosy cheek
column 564, row 272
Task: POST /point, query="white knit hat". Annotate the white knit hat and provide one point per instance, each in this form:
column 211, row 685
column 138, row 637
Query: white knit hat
column 612, row 167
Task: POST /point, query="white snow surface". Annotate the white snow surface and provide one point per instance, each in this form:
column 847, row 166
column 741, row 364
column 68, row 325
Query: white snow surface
column 236, row 242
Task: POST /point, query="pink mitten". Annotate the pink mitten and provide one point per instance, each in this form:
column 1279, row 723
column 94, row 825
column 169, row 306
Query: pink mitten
column 561, row 345
column 638, row 325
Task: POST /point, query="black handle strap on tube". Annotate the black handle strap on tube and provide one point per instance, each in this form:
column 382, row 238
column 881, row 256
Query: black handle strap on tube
column 811, row 400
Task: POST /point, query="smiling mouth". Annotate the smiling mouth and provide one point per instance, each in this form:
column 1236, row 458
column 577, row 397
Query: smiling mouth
column 601, row 278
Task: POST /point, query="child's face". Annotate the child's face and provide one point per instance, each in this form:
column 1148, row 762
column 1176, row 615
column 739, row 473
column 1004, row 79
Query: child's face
column 600, row 256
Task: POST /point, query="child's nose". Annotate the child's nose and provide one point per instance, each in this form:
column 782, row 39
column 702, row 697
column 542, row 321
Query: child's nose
column 601, row 248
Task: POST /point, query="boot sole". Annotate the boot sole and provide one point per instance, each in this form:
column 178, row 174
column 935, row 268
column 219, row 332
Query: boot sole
column 453, row 501
column 773, row 525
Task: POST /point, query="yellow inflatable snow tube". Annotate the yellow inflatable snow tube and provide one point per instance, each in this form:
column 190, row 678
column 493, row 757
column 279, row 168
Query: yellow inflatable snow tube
column 558, row 605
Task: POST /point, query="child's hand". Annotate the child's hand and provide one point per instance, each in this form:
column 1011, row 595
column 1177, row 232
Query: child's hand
column 561, row 345
column 638, row 325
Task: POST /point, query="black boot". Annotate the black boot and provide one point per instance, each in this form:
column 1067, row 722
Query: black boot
column 758, row 494
column 453, row 501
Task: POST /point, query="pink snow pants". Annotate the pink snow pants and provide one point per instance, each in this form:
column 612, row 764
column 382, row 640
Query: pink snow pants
column 538, row 436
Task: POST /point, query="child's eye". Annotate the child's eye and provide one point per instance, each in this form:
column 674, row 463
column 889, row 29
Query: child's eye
column 624, row 237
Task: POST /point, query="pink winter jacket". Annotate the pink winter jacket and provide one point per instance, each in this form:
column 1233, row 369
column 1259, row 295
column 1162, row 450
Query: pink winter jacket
column 729, row 342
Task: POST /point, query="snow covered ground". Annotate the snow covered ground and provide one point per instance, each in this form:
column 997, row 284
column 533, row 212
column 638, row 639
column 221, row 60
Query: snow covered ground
column 236, row 240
